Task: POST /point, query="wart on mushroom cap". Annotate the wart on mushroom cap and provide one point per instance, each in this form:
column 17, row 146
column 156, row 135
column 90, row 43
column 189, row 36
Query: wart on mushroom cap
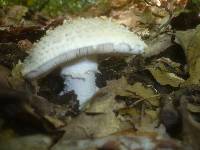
column 79, row 38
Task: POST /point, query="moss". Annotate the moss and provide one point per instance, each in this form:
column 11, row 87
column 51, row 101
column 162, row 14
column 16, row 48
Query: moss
column 73, row 6
column 55, row 7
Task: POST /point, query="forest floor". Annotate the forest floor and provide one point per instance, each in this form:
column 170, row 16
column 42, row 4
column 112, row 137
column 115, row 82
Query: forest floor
column 143, row 102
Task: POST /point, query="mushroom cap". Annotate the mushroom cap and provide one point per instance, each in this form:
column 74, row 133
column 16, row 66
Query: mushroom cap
column 78, row 38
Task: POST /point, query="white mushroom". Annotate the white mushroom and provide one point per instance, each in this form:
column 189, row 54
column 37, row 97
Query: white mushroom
column 74, row 45
column 80, row 77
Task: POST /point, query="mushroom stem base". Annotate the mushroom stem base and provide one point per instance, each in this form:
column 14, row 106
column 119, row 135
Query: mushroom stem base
column 80, row 77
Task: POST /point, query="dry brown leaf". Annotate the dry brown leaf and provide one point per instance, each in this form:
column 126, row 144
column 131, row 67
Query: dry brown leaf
column 118, row 143
column 4, row 75
column 193, row 108
column 164, row 75
column 37, row 141
column 190, row 42
column 125, row 17
column 118, row 3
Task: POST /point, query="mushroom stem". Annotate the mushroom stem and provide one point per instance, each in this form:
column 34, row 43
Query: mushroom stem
column 80, row 77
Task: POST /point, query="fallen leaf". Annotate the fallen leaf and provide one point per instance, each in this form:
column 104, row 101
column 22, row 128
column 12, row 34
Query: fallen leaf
column 118, row 3
column 118, row 143
column 4, row 75
column 38, row 141
column 166, row 75
column 126, row 17
column 191, row 45
column 193, row 108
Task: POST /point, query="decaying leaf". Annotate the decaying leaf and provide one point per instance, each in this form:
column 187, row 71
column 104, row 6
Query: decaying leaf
column 191, row 127
column 146, row 93
column 145, row 121
column 16, row 80
column 126, row 114
column 190, row 42
column 99, row 118
column 147, row 16
column 142, row 96
column 184, row 37
column 10, row 53
column 7, row 134
column 38, row 141
column 125, row 17
column 193, row 108
column 158, row 44
column 4, row 74
column 122, row 88
column 118, row 3
column 118, row 143
column 152, row 114
column 14, row 15
column 164, row 71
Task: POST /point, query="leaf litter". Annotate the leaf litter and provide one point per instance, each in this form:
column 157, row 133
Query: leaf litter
column 143, row 103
